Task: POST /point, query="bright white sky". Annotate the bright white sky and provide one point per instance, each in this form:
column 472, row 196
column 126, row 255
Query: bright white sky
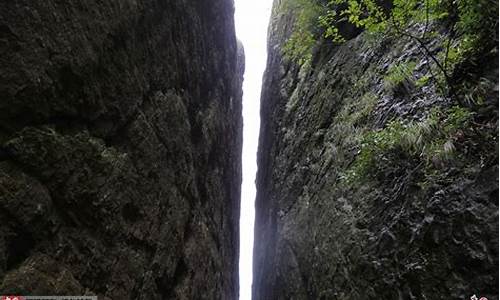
column 252, row 18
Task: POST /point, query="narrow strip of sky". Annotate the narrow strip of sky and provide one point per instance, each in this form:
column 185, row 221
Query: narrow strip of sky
column 252, row 18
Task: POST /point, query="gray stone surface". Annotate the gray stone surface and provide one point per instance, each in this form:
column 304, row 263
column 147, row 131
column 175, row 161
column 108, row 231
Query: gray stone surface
column 401, row 233
column 120, row 146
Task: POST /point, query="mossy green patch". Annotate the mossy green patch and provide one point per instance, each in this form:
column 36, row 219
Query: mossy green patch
column 299, row 46
column 430, row 141
column 358, row 111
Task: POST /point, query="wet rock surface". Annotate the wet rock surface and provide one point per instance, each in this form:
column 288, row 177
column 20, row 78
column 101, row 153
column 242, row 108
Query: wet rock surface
column 120, row 145
column 403, row 232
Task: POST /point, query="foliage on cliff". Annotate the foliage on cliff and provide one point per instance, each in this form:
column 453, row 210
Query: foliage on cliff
column 465, row 28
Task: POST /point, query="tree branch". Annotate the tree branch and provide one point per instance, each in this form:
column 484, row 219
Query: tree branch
column 429, row 54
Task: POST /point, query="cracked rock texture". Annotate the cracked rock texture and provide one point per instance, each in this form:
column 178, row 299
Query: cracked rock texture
column 411, row 229
column 120, row 142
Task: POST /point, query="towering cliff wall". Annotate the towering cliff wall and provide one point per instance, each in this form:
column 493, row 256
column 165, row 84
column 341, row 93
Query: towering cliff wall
column 120, row 141
column 369, row 188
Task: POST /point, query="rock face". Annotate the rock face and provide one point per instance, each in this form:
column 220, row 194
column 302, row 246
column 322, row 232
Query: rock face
column 120, row 142
column 409, row 229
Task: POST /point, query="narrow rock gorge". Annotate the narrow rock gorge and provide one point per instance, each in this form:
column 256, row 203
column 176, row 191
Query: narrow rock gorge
column 120, row 148
column 377, row 175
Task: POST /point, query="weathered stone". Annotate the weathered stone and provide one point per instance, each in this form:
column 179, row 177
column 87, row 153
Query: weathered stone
column 402, row 232
column 120, row 146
